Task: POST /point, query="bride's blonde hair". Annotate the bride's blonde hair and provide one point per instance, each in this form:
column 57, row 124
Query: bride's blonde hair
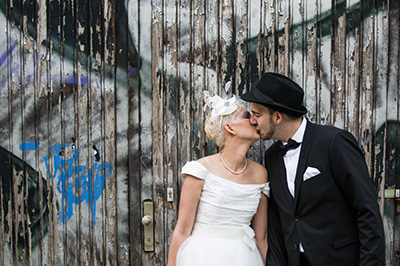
column 215, row 129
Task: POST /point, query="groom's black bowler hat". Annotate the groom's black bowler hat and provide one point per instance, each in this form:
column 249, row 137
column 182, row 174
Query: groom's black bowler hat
column 279, row 93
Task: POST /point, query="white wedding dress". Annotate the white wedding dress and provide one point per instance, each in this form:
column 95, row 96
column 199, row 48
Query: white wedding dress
column 222, row 234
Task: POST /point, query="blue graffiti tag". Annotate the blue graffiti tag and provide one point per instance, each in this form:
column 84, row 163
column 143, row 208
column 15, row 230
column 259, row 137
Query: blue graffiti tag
column 89, row 182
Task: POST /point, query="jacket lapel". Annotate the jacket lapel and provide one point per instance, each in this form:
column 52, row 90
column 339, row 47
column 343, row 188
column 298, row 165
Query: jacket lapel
column 284, row 183
column 301, row 167
column 279, row 172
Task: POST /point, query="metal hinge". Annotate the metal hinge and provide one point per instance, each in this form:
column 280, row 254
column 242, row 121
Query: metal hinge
column 392, row 193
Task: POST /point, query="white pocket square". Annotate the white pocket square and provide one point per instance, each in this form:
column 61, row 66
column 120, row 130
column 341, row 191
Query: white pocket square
column 310, row 172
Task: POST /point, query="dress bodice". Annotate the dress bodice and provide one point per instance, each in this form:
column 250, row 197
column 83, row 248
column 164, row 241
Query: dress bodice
column 223, row 201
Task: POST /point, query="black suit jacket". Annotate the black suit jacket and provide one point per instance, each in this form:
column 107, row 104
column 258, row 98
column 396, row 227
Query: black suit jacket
column 334, row 214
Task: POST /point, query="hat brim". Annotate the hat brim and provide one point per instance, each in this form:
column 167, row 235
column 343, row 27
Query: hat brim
column 250, row 97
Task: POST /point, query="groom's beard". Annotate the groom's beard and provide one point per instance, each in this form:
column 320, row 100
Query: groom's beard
column 270, row 132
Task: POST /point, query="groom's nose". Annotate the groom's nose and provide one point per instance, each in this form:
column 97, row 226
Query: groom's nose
column 252, row 120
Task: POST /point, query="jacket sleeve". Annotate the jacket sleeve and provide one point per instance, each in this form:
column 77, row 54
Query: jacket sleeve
column 353, row 179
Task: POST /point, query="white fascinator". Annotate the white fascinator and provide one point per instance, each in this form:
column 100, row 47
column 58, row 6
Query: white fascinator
column 219, row 107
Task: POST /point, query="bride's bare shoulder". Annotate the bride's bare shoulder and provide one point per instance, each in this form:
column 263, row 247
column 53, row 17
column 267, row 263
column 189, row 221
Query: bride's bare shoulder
column 260, row 171
column 208, row 161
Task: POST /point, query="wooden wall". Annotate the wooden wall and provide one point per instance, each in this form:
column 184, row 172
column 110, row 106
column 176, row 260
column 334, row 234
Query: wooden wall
column 102, row 104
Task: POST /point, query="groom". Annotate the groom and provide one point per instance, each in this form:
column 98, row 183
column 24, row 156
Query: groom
column 323, row 206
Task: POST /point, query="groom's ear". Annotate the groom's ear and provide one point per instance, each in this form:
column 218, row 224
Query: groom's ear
column 277, row 117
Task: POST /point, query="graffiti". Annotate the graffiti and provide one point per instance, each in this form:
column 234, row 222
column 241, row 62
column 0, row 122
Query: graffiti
column 76, row 183
column 18, row 180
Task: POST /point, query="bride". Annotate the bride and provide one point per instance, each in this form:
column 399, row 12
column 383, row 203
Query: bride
column 223, row 206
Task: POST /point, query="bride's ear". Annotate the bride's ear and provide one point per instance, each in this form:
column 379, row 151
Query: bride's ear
column 229, row 129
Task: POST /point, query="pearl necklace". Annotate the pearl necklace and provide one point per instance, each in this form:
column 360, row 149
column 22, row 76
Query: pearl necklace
column 229, row 169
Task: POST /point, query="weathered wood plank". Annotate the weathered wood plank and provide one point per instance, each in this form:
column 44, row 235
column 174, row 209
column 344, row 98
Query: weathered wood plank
column 353, row 58
column 114, row 184
column 367, row 88
column 380, row 99
column 338, row 68
column 310, row 48
column 55, row 236
column 270, row 31
column 158, row 124
column 81, row 30
column 185, row 51
column 204, row 64
column 324, row 97
column 124, row 140
column 283, row 25
column 387, row 141
column 171, row 118
column 40, row 88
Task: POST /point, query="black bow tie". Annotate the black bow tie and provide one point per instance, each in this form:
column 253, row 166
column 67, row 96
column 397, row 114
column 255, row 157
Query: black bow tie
column 292, row 144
